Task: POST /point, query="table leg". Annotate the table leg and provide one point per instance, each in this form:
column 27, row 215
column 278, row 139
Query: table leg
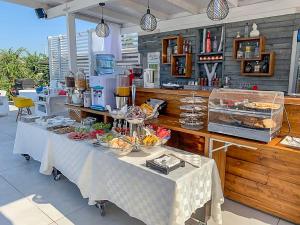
column 203, row 214
column 56, row 174
column 26, row 156
column 101, row 206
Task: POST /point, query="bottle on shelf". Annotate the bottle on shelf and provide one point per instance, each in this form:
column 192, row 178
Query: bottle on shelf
column 215, row 44
column 186, row 47
column 248, row 52
column 240, row 52
column 256, row 51
column 169, row 52
column 257, row 67
column 177, row 66
column 248, row 68
column 183, row 46
column 208, row 42
column 265, row 65
column 175, row 49
column 246, row 33
column 190, row 49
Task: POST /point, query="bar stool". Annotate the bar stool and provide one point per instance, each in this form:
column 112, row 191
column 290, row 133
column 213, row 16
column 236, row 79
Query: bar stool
column 23, row 103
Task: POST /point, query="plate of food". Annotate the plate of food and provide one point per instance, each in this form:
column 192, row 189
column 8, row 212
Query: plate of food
column 78, row 136
column 120, row 146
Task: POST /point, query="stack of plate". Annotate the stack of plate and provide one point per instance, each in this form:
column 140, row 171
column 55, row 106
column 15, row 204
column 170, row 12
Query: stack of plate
column 192, row 113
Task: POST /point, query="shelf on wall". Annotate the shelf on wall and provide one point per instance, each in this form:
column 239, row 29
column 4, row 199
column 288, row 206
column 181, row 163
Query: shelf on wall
column 270, row 55
column 210, row 54
column 187, row 63
column 211, row 61
column 237, row 41
column 165, row 42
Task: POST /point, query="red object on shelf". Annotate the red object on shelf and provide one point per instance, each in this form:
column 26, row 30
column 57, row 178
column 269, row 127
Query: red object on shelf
column 208, row 42
column 255, row 87
column 131, row 77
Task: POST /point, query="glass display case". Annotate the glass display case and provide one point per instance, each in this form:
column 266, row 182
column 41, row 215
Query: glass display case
column 248, row 114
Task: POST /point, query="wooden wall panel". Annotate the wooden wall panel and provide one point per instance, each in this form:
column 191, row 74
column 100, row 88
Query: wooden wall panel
column 248, row 193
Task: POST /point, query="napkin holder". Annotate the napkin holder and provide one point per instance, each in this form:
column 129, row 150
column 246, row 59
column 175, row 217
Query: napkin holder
column 163, row 169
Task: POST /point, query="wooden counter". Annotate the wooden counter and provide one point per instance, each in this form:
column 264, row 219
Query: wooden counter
column 266, row 177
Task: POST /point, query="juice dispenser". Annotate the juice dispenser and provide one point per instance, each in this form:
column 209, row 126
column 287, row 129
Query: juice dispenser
column 122, row 90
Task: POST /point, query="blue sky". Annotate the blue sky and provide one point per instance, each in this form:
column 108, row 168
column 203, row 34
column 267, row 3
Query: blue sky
column 21, row 28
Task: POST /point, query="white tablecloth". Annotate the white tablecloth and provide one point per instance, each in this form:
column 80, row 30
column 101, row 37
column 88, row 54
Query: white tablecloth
column 154, row 198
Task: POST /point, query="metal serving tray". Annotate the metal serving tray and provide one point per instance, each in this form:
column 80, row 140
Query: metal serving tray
column 253, row 134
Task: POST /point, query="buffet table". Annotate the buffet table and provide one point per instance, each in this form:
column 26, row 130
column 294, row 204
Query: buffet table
column 145, row 194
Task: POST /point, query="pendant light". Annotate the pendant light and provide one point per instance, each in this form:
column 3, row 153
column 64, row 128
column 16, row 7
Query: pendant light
column 148, row 21
column 102, row 29
column 217, row 10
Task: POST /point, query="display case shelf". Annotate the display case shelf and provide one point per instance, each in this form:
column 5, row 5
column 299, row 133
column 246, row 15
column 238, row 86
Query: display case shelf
column 165, row 42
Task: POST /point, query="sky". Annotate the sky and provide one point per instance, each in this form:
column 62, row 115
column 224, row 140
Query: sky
column 20, row 27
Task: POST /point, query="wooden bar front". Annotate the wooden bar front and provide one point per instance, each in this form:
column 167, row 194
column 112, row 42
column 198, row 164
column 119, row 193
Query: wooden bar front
column 266, row 177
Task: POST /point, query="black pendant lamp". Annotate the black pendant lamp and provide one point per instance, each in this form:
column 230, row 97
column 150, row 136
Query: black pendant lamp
column 148, row 21
column 102, row 29
column 217, row 10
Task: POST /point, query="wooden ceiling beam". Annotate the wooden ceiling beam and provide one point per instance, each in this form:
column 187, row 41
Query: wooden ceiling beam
column 185, row 5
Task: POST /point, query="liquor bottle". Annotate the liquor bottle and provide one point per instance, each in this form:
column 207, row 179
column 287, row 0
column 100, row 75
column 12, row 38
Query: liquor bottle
column 190, row 49
column 181, row 69
column 215, row 44
column 240, row 53
column 208, row 42
column 246, row 34
column 256, row 51
column 248, row 52
column 183, row 47
column 177, row 67
column 257, row 67
column 175, row 49
column 248, row 68
column 169, row 52
column 186, row 49
column 265, row 66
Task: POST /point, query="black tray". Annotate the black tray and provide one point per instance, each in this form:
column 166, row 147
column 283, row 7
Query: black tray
column 165, row 170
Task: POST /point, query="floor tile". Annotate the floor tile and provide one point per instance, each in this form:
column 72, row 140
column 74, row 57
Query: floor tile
column 283, row 222
column 58, row 199
column 114, row 216
column 250, row 213
column 27, row 178
column 8, row 193
column 22, row 212
column 8, row 160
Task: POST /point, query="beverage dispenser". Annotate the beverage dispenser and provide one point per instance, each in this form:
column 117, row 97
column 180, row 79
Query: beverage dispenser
column 122, row 90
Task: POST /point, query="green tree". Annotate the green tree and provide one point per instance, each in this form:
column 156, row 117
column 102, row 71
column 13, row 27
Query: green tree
column 18, row 64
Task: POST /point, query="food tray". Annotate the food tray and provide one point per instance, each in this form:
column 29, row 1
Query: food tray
column 163, row 169
column 64, row 130
column 29, row 118
column 52, row 128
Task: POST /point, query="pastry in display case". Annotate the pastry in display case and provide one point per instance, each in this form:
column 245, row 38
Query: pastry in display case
column 255, row 115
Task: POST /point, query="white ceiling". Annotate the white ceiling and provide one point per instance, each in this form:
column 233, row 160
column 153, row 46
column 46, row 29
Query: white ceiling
column 126, row 12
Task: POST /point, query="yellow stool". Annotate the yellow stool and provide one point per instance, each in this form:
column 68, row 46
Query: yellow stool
column 23, row 103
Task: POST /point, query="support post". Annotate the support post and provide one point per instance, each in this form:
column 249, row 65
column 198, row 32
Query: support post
column 72, row 50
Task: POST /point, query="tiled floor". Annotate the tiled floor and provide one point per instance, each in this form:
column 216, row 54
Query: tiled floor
column 30, row 198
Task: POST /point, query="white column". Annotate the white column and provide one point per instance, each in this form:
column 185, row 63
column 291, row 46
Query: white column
column 71, row 32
